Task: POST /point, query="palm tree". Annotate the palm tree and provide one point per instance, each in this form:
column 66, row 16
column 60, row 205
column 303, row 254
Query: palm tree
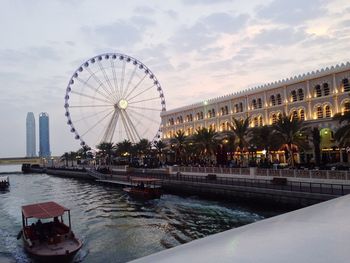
column 206, row 142
column 291, row 133
column 72, row 156
column 342, row 135
column 240, row 129
column 143, row 147
column 83, row 152
column 160, row 146
column 106, row 151
column 65, row 158
column 316, row 141
column 264, row 138
column 124, row 147
column 178, row 142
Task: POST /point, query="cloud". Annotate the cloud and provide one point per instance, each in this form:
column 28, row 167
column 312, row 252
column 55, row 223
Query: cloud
column 205, row 2
column 280, row 36
column 172, row 14
column 206, row 31
column 291, row 12
column 144, row 10
column 225, row 23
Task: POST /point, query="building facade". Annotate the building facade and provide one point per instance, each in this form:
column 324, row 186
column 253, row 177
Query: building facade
column 44, row 135
column 313, row 97
column 30, row 135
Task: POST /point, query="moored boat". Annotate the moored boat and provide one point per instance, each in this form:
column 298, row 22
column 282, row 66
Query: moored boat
column 45, row 234
column 146, row 188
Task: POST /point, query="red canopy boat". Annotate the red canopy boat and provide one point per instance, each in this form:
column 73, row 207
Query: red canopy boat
column 49, row 240
column 146, row 188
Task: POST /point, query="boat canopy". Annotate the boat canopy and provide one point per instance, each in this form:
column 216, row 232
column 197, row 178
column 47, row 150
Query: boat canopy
column 4, row 179
column 43, row 210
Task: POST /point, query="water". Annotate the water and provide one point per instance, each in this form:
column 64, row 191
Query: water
column 113, row 226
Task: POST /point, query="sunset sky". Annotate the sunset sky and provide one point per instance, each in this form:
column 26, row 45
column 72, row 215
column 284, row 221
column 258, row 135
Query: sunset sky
column 197, row 50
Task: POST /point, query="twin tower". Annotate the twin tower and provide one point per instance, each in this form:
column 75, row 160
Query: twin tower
column 44, row 135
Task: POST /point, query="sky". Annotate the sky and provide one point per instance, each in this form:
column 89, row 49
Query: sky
column 198, row 49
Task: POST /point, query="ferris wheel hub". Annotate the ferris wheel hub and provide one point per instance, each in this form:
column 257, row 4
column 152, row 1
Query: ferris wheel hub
column 122, row 104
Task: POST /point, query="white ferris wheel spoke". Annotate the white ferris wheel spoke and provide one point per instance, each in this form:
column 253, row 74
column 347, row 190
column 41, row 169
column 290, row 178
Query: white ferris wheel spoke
column 122, row 79
column 142, row 92
column 91, row 97
column 95, row 89
column 91, row 115
column 138, row 121
column 143, row 116
column 99, row 82
column 132, row 125
column 105, row 76
column 145, row 108
column 130, row 79
column 135, row 87
column 133, row 102
column 127, row 129
column 98, row 122
column 89, row 106
column 109, row 131
column 116, row 89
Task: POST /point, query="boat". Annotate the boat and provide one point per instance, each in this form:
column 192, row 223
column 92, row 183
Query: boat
column 45, row 235
column 145, row 188
column 4, row 182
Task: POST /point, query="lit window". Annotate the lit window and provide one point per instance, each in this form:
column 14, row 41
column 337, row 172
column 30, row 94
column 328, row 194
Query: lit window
column 300, row 94
column 294, row 96
column 272, row 100
column 260, row 121
column 346, row 85
column 347, row 106
column 319, row 112
column 259, row 103
column 302, row 114
column 254, row 105
column 328, row 112
column 279, row 99
column 325, row 89
column 318, row 92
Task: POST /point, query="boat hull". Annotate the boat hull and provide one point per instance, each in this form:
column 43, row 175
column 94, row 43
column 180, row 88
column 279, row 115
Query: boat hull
column 143, row 193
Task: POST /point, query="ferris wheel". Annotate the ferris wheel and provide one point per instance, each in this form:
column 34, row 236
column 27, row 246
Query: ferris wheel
column 114, row 97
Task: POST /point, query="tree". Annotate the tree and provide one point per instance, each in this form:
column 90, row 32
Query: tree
column 143, row 147
column 264, row 138
column 291, row 134
column 240, row 129
column 160, row 146
column 72, row 156
column 106, row 151
column 206, row 142
column 342, row 135
column 316, row 141
column 65, row 158
column 178, row 142
column 123, row 147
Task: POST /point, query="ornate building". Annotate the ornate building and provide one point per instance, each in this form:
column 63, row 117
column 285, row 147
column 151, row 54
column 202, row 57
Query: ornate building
column 313, row 97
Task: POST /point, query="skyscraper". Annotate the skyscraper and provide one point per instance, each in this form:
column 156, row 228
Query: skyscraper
column 44, row 135
column 30, row 135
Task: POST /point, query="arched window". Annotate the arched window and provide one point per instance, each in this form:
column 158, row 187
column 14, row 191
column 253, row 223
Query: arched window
column 259, row 103
column 279, row 116
column 226, row 110
column 260, row 121
column 319, row 112
column 274, row 118
column 256, row 122
column 318, row 92
column 254, row 105
column 202, row 115
column 212, row 127
column 181, row 120
column 294, row 96
column 347, row 106
column 300, row 94
column 279, row 99
column 209, row 113
column 197, row 116
column 346, row 85
column 236, row 108
column 241, row 107
column 213, row 113
column 191, row 118
column 272, row 100
column 294, row 115
column 325, row 89
column 327, row 110
column 302, row 114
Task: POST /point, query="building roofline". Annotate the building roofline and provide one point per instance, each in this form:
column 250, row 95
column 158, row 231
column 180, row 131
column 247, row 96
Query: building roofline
column 276, row 84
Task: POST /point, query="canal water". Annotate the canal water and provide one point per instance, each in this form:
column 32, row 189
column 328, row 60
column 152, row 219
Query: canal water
column 113, row 226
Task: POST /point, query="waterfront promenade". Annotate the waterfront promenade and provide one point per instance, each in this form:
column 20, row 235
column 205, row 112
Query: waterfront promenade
column 247, row 185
